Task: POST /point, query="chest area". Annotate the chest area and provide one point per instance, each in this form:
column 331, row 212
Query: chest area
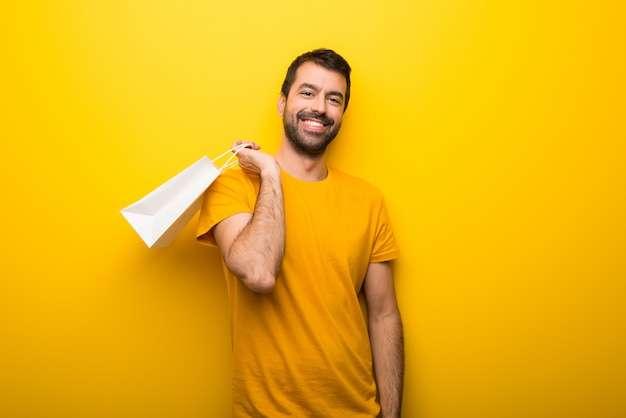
column 324, row 221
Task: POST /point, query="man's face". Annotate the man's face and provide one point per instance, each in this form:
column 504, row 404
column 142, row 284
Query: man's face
column 313, row 111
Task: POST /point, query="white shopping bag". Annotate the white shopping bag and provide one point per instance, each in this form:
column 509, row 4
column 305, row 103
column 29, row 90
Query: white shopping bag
column 160, row 216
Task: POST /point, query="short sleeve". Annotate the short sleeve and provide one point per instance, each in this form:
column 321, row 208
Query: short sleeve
column 385, row 247
column 231, row 193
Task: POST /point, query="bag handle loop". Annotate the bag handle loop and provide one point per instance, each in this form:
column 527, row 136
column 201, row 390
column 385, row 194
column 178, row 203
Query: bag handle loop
column 229, row 162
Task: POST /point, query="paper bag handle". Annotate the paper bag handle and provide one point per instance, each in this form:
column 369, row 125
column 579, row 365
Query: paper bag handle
column 229, row 162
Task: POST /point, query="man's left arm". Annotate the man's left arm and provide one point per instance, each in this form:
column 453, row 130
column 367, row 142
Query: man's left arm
column 386, row 336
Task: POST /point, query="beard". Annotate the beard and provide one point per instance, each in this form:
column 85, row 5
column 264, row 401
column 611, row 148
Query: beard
column 309, row 144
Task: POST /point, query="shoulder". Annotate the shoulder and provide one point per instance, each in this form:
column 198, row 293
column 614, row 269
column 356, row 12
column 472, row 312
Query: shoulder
column 232, row 188
column 233, row 174
column 234, row 178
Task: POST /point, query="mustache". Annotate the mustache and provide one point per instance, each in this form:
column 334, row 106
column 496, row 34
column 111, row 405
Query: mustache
column 303, row 114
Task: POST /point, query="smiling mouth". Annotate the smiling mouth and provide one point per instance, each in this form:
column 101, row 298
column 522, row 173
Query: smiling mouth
column 313, row 123
column 314, row 120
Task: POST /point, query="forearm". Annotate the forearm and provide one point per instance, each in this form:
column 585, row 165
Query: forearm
column 257, row 252
column 387, row 341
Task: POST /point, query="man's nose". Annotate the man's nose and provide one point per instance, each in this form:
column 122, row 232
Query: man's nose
column 318, row 104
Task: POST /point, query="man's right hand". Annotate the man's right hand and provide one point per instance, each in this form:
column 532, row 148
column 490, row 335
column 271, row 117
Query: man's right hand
column 254, row 161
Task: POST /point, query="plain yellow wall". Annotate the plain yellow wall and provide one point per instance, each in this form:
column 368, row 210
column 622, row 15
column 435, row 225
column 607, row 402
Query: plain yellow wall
column 497, row 131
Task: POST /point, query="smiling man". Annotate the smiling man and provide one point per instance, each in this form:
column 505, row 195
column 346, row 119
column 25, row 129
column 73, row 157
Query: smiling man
column 319, row 117
column 300, row 240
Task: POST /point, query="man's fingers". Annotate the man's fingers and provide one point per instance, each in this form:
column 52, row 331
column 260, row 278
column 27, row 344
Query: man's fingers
column 249, row 144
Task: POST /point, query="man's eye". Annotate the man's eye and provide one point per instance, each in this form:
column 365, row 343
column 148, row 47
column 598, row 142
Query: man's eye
column 307, row 93
column 335, row 100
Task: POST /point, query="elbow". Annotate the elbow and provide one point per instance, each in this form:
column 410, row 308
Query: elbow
column 263, row 283
column 258, row 277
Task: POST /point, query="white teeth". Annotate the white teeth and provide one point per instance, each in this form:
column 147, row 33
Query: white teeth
column 313, row 123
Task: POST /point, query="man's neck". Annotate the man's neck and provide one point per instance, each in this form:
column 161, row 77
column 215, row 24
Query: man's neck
column 301, row 167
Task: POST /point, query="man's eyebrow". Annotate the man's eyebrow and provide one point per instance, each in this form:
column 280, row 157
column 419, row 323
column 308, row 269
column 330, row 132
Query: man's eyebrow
column 309, row 86
column 316, row 88
column 337, row 93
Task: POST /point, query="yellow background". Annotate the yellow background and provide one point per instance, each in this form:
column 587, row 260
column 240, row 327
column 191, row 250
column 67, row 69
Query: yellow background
column 496, row 130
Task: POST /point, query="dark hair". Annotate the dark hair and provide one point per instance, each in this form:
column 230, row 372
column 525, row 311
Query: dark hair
column 328, row 59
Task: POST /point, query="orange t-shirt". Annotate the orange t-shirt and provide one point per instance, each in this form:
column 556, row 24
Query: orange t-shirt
column 303, row 350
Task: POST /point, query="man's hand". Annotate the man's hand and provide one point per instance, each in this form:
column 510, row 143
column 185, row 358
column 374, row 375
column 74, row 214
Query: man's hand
column 253, row 161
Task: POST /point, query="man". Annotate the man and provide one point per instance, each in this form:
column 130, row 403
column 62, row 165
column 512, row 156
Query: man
column 300, row 240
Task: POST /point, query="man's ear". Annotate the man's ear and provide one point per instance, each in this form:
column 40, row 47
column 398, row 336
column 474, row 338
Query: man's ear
column 282, row 100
